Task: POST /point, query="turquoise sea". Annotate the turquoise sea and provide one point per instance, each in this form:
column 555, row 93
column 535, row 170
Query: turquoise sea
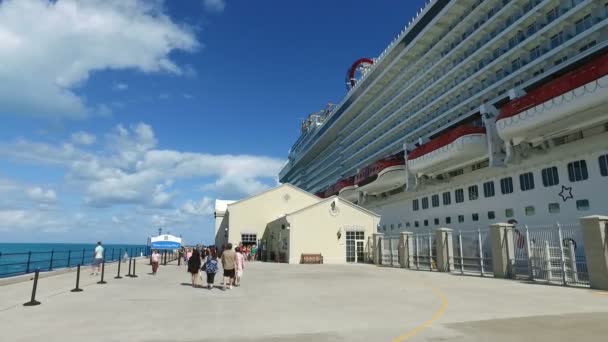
column 50, row 256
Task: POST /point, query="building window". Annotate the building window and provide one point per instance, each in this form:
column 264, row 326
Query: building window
column 249, row 239
column 550, row 176
column 425, row 202
column 426, row 223
column 509, row 212
column 552, row 14
column 553, row 208
column 603, row 160
column 384, row 227
column 488, row 189
column 407, row 224
column 557, row 39
column 459, row 194
column 436, row 221
column 415, row 205
column 473, row 193
column 530, row 211
column 506, row 185
column 448, row 220
column 392, row 226
column 491, row 215
column 435, row 200
column 582, row 205
column 583, row 24
column 577, row 171
column 526, row 181
column 416, row 224
column 475, row 217
column 447, row 198
column 460, row 218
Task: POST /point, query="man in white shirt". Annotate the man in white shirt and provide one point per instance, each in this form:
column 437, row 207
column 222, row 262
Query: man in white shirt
column 97, row 259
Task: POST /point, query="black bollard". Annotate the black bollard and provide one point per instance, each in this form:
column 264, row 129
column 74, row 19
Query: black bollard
column 129, row 274
column 103, row 269
column 134, row 275
column 33, row 301
column 77, row 289
column 118, row 273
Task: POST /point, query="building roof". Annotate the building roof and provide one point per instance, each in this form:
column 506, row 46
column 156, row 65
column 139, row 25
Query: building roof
column 341, row 202
column 222, row 205
column 272, row 189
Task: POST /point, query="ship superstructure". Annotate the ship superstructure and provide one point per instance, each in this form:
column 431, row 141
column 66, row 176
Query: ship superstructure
column 479, row 111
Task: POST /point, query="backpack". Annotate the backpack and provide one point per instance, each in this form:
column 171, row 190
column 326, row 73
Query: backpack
column 210, row 266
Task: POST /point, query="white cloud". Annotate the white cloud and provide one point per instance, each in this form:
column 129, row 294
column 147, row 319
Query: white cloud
column 215, row 6
column 41, row 195
column 50, row 48
column 130, row 169
column 120, row 86
column 83, row 138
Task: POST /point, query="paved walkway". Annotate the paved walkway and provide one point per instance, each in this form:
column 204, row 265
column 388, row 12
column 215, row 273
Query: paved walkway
column 303, row 303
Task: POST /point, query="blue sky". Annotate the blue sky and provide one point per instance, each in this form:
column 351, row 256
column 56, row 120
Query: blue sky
column 120, row 116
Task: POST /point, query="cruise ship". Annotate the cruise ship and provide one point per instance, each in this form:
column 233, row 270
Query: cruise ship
column 479, row 111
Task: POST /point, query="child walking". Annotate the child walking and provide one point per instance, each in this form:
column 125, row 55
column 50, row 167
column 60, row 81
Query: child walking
column 210, row 267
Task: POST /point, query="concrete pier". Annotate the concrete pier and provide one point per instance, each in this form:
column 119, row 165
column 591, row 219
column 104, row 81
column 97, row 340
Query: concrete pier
column 279, row 302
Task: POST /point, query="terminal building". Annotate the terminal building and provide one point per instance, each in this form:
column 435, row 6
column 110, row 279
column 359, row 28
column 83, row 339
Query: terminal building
column 288, row 223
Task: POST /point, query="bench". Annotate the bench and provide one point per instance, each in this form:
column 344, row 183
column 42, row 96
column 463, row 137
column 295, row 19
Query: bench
column 311, row 259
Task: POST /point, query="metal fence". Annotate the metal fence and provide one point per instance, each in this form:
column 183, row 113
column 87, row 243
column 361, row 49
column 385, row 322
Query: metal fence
column 425, row 253
column 552, row 253
column 13, row 264
column 390, row 251
column 472, row 252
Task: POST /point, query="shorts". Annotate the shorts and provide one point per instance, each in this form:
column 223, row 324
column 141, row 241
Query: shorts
column 229, row 273
column 97, row 261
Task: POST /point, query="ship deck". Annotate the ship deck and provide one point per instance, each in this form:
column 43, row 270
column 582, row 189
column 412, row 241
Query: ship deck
column 279, row 302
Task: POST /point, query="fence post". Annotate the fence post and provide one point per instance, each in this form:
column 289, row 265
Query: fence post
column 480, row 250
column 51, row 261
column 573, row 267
column 530, row 253
column 405, row 249
column 461, row 252
column 377, row 248
column 29, row 257
column 595, row 238
column 503, row 249
column 430, row 253
column 417, row 254
column 390, row 248
column 547, row 261
column 69, row 257
column 561, row 254
column 82, row 261
column 33, row 300
column 112, row 257
column 445, row 249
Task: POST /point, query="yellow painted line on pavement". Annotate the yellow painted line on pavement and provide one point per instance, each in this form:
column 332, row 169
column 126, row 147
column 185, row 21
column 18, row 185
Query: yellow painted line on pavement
column 428, row 323
column 602, row 293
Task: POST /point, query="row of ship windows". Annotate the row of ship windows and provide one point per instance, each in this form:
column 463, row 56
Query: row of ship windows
column 556, row 40
column 577, row 171
column 553, row 208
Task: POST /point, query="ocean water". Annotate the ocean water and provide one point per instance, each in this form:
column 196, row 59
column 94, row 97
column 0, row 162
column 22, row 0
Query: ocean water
column 51, row 256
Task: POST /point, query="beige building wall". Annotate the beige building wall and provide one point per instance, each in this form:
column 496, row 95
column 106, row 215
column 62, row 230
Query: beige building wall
column 276, row 240
column 251, row 215
column 314, row 229
column 221, row 226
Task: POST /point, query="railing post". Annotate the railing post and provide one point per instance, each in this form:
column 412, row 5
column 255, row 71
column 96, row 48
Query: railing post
column 77, row 288
column 82, row 261
column 461, row 252
column 112, row 258
column 417, row 254
column 547, row 261
column 561, row 254
column 33, row 301
column 51, row 261
column 430, row 252
column 69, row 257
column 29, row 258
column 390, row 248
column 573, row 266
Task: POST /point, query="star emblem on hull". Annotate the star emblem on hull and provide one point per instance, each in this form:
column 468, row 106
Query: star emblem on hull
column 566, row 193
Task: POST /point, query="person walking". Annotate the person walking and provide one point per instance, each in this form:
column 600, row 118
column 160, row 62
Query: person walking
column 125, row 257
column 194, row 265
column 155, row 259
column 240, row 266
column 97, row 259
column 228, row 264
column 210, row 267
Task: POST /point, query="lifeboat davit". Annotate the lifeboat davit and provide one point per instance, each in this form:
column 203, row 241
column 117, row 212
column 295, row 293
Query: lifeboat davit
column 461, row 146
column 382, row 176
column 566, row 104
